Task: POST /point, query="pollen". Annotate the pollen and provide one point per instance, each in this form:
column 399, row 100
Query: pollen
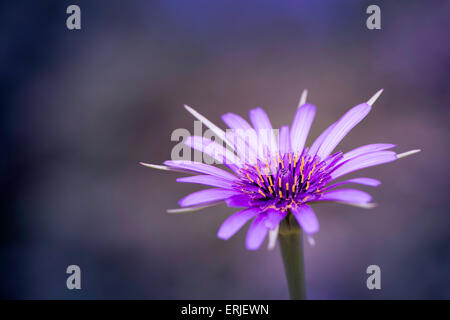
column 259, row 183
column 287, row 184
column 262, row 193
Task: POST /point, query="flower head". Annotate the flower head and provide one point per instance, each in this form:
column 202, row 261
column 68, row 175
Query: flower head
column 272, row 176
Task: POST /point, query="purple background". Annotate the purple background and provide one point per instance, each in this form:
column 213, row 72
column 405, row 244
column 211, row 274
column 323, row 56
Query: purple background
column 80, row 109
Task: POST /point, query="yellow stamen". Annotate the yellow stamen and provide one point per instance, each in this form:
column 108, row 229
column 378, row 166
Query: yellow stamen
column 270, row 189
column 279, row 182
column 279, row 192
column 287, row 188
column 310, row 173
column 260, row 191
column 301, row 168
column 259, row 173
column 268, row 167
column 259, row 183
column 290, row 159
column 307, row 185
column 248, row 177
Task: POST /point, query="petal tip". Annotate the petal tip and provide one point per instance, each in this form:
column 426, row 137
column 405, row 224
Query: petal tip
column 370, row 205
column 303, row 97
column 154, row 166
column 408, row 153
column 311, row 241
column 374, row 98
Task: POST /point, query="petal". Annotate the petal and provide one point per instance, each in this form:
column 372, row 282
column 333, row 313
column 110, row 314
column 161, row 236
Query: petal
column 256, row 233
column 219, row 132
column 274, row 217
column 364, row 181
column 207, row 180
column 301, row 125
column 306, row 218
column 364, row 161
column 197, row 167
column 349, row 120
column 194, row 208
column 216, row 151
column 205, row 196
column 239, row 200
column 284, row 140
column 235, row 222
column 315, row 146
column 366, row 149
column 263, row 128
column 243, row 141
column 347, row 195
column 234, row 121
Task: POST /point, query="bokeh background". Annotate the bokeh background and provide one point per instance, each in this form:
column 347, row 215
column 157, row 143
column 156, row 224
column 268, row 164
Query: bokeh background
column 80, row 109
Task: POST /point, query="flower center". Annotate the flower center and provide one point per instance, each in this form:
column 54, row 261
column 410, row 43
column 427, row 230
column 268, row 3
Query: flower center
column 286, row 180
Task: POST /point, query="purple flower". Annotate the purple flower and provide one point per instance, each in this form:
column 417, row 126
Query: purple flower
column 271, row 176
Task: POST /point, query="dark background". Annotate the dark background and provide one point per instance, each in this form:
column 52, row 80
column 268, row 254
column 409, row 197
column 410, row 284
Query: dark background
column 80, row 109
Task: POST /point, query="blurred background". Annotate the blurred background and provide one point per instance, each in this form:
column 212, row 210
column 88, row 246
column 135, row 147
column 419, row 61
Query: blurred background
column 80, row 109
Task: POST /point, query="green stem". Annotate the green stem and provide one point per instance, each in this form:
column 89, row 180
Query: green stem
column 291, row 244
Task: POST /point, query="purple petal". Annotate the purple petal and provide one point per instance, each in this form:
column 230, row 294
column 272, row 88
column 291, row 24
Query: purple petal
column 364, row 161
column 207, row 180
column 242, row 135
column 197, row 167
column 347, row 195
column 235, row 222
column 349, row 120
column 213, row 149
column 263, row 127
column 306, row 218
column 274, row 217
column 301, row 125
column 256, row 233
column 239, row 200
column 243, row 142
column 315, row 146
column 219, row 132
column 234, row 121
column 366, row 149
column 364, row 181
column 284, row 140
column 206, row 196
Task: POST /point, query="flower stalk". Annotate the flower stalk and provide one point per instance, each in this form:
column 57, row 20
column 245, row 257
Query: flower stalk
column 291, row 245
